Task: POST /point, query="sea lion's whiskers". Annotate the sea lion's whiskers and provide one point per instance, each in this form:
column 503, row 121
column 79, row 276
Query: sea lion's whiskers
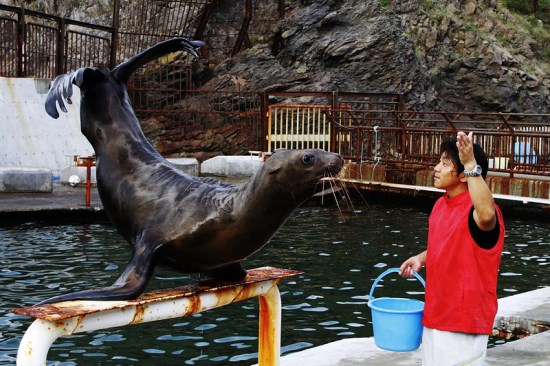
column 346, row 171
column 333, row 189
column 337, row 204
column 346, row 195
column 339, row 185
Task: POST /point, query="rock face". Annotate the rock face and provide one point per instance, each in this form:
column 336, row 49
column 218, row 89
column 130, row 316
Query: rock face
column 479, row 56
column 335, row 46
column 451, row 55
column 353, row 47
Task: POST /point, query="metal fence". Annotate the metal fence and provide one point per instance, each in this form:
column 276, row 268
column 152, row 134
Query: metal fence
column 387, row 134
column 308, row 119
column 514, row 143
column 40, row 45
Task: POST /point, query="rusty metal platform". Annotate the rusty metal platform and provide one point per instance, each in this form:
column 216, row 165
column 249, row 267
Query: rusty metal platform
column 70, row 309
column 70, row 317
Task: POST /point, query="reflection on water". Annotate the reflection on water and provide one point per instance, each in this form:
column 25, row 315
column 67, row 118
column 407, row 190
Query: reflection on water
column 340, row 258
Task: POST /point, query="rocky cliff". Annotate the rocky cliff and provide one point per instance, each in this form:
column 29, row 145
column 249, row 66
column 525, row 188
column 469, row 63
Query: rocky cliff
column 479, row 56
column 447, row 55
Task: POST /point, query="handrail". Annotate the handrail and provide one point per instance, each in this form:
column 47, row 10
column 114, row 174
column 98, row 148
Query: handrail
column 66, row 318
column 55, row 18
column 514, row 143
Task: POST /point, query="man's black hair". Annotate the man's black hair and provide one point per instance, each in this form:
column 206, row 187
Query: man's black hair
column 450, row 149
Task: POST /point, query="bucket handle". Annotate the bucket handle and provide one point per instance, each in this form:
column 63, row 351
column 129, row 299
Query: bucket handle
column 393, row 270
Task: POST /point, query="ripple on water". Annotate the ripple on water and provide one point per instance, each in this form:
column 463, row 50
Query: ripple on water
column 318, row 309
column 508, row 274
column 235, row 339
column 244, row 357
column 204, row 327
column 296, row 306
column 101, row 339
column 178, row 338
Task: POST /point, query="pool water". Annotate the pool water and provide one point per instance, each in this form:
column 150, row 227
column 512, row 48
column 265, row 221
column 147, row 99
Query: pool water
column 340, row 254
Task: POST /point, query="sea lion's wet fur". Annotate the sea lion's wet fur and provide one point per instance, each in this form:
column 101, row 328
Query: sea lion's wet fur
column 187, row 223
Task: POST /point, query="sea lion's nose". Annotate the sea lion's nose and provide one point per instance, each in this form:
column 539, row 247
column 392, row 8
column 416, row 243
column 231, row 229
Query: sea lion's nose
column 340, row 159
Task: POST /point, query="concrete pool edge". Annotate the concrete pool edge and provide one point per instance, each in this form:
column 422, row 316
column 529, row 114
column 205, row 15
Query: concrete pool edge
column 530, row 350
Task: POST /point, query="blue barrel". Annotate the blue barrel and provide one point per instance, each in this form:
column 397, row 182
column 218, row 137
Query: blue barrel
column 396, row 322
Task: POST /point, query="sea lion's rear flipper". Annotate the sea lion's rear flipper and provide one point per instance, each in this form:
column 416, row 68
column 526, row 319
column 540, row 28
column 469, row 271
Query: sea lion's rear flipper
column 62, row 88
column 230, row 272
column 128, row 286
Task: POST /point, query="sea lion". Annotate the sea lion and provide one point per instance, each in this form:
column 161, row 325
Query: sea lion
column 187, row 223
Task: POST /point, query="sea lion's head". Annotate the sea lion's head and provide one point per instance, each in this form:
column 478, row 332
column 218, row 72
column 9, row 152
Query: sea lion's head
column 301, row 172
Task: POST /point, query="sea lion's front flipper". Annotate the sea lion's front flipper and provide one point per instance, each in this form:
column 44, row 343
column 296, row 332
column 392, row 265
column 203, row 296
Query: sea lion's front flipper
column 123, row 71
column 128, row 286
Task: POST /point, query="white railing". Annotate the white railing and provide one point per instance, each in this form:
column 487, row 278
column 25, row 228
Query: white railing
column 298, row 127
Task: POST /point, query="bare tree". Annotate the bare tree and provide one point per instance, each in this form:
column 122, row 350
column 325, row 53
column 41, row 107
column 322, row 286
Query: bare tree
column 536, row 7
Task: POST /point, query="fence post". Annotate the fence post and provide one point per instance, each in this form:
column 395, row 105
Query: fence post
column 60, row 52
column 403, row 134
column 264, row 123
column 269, row 336
column 505, row 119
column 203, row 20
column 21, row 38
column 114, row 34
column 334, row 103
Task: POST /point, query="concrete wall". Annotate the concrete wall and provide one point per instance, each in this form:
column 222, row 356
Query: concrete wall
column 29, row 137
column 25, row 179
column 231, row 166
column 534, row 187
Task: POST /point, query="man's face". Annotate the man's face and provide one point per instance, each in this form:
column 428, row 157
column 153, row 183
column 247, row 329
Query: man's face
column 445, row 175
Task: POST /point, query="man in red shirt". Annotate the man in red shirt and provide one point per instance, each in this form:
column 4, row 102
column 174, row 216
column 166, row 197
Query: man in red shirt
column 465, row 240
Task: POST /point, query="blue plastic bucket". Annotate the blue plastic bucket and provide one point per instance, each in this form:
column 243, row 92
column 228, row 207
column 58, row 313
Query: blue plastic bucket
column 396, row 322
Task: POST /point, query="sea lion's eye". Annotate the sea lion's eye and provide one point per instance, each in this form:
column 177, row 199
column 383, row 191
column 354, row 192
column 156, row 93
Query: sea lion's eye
column 308, row 159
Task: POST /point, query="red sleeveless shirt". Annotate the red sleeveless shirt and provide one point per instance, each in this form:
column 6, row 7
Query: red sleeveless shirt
column 461, row 277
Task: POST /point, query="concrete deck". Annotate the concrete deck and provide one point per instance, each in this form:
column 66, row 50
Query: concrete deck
column 63, row 204
column 533, row 350
column 532, row 307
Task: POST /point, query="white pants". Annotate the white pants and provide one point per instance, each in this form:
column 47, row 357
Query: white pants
column 441, row 348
